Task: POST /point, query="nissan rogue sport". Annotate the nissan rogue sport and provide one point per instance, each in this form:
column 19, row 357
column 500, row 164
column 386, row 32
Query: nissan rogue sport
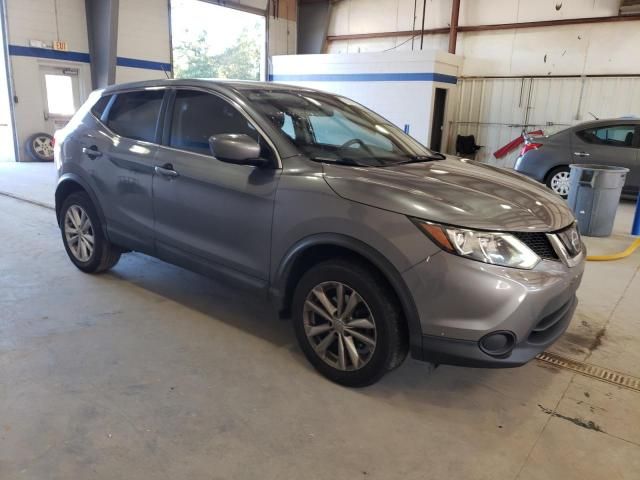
column 371, row 243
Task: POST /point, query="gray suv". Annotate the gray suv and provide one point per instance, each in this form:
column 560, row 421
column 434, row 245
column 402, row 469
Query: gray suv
column 374, row 245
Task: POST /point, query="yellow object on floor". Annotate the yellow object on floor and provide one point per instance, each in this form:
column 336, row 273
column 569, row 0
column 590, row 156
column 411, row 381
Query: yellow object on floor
column 616, row 256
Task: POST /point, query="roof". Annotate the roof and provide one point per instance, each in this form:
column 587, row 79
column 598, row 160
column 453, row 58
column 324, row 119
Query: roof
column 608, row 121
column 205, row 83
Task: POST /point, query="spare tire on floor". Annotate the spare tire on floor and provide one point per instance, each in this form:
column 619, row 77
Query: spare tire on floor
column 39, row 146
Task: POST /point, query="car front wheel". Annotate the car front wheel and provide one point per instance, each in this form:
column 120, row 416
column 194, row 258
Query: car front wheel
column 348, row 324
column 558, row 180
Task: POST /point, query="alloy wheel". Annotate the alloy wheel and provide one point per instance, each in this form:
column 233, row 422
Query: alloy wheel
column 560, row 183
column 43, row 146
column 339, row 326
column 79, row 234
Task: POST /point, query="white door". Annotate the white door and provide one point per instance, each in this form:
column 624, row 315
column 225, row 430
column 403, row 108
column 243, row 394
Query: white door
column 61, row 90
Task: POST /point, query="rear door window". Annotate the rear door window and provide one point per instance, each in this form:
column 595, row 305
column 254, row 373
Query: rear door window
column 135, row 114
column 614, row 135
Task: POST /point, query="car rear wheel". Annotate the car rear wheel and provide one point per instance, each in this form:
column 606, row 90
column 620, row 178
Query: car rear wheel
column 348, row 325
column 83, row 237
column 558, row 181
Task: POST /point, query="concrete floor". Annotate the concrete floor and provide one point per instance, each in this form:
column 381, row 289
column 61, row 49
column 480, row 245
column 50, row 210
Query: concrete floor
column 150, row 371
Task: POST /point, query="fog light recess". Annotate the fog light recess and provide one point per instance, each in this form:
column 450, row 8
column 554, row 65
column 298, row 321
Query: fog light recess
column 498, row 344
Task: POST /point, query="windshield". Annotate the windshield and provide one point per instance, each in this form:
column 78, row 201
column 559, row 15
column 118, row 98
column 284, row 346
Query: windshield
column 335, row 129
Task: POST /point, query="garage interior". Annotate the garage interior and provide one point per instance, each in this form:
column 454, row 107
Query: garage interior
column 151, row 371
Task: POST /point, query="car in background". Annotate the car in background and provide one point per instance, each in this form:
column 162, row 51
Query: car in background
column 373, row 244
column 613, row 142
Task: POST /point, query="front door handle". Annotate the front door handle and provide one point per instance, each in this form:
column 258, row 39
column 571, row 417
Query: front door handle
column 92, row 152
column 581, row 154
column 166, row 170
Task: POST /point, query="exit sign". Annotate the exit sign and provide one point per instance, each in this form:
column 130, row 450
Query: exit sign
column 57, row 45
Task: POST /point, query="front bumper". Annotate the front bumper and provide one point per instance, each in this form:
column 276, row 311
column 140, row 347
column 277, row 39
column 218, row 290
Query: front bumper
column 467, row 353
column 460, row 301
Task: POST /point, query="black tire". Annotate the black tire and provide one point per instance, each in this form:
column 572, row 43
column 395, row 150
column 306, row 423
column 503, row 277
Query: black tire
column 553, row 173
column 104, row 255
column 392, row 342
column 37, row 148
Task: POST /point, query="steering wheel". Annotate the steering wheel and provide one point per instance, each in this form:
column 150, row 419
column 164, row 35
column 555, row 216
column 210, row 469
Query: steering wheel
column 364, row 146
column 356, row 141
column 353, row 141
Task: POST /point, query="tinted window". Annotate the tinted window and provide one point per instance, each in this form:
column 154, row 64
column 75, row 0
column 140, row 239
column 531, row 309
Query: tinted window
column 199, row 115
column 135, row 114
column 616, row 135
column 100, row 105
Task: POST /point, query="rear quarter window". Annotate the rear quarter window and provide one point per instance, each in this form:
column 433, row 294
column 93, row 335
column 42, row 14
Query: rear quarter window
column 100, row 106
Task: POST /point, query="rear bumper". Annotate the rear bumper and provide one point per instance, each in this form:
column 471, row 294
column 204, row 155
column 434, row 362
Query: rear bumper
column 467, row 353
column 529, row 167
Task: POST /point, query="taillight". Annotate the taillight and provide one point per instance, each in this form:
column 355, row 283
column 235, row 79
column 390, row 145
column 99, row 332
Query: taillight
column 529, row 146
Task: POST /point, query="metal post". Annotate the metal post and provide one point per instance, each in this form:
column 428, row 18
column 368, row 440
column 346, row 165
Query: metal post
column 453, row 32
column 635, row 230
column 102, row 28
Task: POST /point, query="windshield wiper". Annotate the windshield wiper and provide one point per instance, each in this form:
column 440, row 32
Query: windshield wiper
column 423, row 158
column 338, row 161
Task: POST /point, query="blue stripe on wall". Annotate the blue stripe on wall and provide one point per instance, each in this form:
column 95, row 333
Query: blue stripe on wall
column 20, row 51
column 147, row 64
column 367, row 77
column 17, row 50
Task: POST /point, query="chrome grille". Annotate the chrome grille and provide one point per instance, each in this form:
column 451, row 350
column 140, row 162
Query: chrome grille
column 570, row 238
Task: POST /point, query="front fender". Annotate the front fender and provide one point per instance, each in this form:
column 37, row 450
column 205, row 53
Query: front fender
column 279, row 283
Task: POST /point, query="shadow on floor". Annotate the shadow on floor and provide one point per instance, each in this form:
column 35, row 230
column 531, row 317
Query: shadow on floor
column 416, row 381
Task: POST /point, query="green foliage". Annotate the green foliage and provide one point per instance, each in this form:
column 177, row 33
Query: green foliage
column 240, row 61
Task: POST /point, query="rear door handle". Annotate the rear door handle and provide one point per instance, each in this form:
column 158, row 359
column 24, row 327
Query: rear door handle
column 581, row 154
column 92, row 152
column 166, row 170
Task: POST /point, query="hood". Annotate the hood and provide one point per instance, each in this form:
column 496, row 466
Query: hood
column 456, row 192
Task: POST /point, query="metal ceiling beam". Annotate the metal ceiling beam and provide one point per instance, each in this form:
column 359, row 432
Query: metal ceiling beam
column 483, row 28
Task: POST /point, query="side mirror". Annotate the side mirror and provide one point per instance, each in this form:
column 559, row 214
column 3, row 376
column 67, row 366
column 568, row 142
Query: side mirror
column 236, row 148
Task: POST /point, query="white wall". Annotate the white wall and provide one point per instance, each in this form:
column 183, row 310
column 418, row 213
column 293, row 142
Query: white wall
column 402, row 102
column 143, row 34
column 283, row 37
column 44, row 20
column 493, row 109
column 587, row 49
column 7, row 153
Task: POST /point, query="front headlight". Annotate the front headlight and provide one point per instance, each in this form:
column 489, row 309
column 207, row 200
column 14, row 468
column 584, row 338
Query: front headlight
column 496, row 248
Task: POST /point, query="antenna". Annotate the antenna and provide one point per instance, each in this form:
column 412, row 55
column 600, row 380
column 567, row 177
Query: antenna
column 165, row 72
column 594, row 117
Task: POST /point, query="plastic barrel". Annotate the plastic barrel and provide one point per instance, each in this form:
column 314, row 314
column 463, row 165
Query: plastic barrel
column 594, row 195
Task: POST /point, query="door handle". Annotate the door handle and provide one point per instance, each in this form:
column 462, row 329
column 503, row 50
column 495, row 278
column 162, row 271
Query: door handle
column 581, row 154
column 92, row 152
column 165, row 170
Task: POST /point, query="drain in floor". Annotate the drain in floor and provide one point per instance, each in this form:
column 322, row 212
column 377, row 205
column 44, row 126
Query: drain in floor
column 593, row 371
